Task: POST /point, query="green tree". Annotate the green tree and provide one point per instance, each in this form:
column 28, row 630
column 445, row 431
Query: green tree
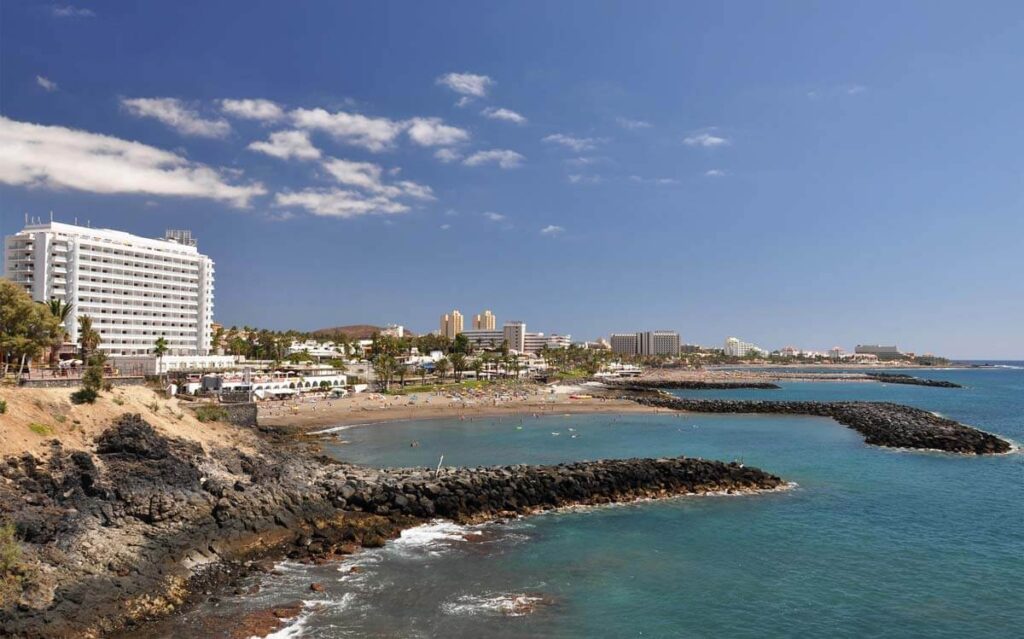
column 160, row 349
column 88, row 338
column 441, row 367
column 62, row 311
column 26, row 328
column 461, row 345
column 458, row 361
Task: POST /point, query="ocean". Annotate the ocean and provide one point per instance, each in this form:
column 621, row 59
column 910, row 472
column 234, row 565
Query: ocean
column 870, row 543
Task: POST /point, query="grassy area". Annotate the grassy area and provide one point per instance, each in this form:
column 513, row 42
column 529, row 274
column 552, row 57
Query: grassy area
column 40, row 429
column 211, row 413
column 466, row 384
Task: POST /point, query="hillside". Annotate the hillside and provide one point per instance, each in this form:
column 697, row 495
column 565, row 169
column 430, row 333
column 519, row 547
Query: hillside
column 353, row 331
column 35, row 417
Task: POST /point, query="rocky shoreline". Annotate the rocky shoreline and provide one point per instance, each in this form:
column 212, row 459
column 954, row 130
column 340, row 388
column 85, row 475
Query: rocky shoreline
column 683, row 384
column 882, row 423
column 146, row 524
column 901, row 378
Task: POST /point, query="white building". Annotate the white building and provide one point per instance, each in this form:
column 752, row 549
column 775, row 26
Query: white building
column 318, row 350
column 735, row 347
column 135, row 289
column 518, row 339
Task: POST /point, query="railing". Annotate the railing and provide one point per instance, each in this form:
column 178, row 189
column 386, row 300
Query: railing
column 76, row 372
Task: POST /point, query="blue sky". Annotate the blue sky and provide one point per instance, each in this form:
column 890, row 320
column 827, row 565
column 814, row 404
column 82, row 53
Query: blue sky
column 791, row 173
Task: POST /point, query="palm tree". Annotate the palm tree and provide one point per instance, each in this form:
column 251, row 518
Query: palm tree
column 441, row 368
column 160, row 349
column 88, row 338
column 62, row 311
column 458, row 364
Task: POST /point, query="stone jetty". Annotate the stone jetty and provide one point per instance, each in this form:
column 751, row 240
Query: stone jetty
column 145, row 524
column 689, row 384
column 881, row 423
column 901, row 378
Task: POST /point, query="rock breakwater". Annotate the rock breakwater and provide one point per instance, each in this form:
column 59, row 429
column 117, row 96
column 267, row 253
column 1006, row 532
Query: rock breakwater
column 881, row 423
column 900, row 378
column 145, row 524
column 684, row 384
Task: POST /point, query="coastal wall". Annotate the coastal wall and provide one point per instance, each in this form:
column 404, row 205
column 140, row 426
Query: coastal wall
column 881, row 423
column 147, row 523
column 69, row 382
column 242, row 414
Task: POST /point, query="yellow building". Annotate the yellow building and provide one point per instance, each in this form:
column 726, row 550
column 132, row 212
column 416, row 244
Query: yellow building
column 451, row 324
column 485, row 321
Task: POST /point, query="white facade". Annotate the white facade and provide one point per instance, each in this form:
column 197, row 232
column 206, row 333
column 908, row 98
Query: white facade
column 735, row 347
column 518, row 340
column 135, row 289
column 319, row 350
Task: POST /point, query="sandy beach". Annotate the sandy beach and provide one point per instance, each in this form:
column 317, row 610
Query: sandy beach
column 365, row 408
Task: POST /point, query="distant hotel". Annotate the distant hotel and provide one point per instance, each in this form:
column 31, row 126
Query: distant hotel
column 735, row 347
column 881, row 352
column 451, row 324
column 135, row 289
column 485, row 321
column 645, row 343
column 514, row 334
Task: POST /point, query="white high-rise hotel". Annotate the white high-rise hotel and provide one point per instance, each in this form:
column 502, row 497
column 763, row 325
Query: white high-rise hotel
column 135, row 289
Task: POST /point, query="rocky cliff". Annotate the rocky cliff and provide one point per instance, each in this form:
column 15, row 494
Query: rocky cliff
column 139, row 526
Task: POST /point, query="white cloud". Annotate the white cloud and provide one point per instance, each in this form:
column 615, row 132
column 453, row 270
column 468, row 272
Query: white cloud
column 367, row 176
column 253, row 109
column 68, row 11
column 447, row 155
column 706, row 140
column 466, row 84
column 633, row 125
column 415, row 190
column 175, row 114
column 286, row 145
column 576, row 144
column 585, row 160
column 372, row 134
column 585, row 179
column 855, row 89
column 34, row 155
column 445, row 227
column 836, row 91
column 492, row 216
column 551, row 229
column 714, row 173
column 340, row 203
column 507, row 115
column 434, row 132
column 46, row 83
column 504, row 158
column 655, row 181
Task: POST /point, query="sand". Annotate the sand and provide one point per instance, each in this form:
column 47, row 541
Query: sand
column 371, row 408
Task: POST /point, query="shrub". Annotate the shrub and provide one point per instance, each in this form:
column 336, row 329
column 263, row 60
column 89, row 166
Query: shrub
column 84, row 396
column 40, row 429
column 119, row 401
column 10, row 568
column 210, row 413
column 3, row 406
column 155, row 407
column 60, row 419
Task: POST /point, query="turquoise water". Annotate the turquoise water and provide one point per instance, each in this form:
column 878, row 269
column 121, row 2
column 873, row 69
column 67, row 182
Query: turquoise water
column 872, row 542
